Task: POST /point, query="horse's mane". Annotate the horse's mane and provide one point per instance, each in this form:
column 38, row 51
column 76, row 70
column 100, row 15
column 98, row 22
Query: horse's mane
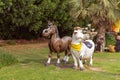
column 54, row 25
column 56, row 30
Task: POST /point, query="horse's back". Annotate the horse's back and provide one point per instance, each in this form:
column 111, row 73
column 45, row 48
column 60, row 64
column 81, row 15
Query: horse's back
column 65, row 43
column 67, row 38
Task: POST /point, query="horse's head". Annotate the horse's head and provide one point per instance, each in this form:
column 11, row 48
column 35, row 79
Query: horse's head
column 77, row 34
column 52, row 29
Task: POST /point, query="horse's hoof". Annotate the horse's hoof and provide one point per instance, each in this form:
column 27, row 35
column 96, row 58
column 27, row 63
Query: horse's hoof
column 82, row 68
column 90, row 65
column 63, row 60
column 57, row 64
column 47, row 64
column 84, row 62
column 75, row 67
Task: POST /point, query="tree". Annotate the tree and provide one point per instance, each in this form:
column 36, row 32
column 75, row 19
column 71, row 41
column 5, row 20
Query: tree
column 27, row 18
column 102, row 14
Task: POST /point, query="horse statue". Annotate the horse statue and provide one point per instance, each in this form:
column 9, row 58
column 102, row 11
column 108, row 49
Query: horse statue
column 81, row 49
column 57, row 44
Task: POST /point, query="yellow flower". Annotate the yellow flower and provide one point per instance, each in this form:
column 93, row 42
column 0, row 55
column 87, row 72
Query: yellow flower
column 116, row 27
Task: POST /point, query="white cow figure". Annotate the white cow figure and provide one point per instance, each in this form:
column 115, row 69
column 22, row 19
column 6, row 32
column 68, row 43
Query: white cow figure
column 81, row 49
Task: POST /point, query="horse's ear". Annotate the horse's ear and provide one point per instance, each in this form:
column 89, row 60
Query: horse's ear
column 53, row 22
column 49, row 21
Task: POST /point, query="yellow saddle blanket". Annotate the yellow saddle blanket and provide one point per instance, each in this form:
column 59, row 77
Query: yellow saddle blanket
column 76, row 46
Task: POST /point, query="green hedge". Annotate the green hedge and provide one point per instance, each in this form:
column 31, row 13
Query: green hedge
column 110, row 39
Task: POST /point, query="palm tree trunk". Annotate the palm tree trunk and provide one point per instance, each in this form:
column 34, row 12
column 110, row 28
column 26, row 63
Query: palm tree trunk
column 100, row 41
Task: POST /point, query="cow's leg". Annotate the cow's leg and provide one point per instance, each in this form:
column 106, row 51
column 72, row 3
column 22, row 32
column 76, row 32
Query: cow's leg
column 91, row 61
column 81, row 64
column 49, row 58
column 75, row 62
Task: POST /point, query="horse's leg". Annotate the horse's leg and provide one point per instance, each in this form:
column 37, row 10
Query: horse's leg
column 80, row 63
column 91, row 61
column 66, row 58
column 75, row 62
column 49, row 58
column 58, row 60
column 84, row 61
column 67, row 54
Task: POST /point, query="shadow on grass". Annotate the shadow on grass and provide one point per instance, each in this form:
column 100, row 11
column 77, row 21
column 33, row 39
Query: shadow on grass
column 44, row 60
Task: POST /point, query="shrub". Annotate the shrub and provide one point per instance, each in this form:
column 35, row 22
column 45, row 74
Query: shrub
column 6, row 59
column 118, row 33
column 11, row 42
column 110, row 39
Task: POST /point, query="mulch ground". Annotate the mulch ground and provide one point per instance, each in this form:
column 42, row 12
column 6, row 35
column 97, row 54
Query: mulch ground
column 22, row 41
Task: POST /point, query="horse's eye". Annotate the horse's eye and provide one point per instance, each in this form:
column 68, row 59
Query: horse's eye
column 46, row 31
column 76, row 29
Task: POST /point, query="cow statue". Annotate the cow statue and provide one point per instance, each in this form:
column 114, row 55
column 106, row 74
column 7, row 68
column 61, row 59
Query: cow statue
column 81, row 49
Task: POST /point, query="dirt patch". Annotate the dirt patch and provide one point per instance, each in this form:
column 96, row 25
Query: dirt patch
column 22, row 47
column 22, row 41
column 70, row 65
column 65, row 66
column 23, row 44
column 26, row 46
column 96, row 69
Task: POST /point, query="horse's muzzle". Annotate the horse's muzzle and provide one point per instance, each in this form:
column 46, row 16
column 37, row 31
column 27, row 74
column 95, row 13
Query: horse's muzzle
column 75, row 32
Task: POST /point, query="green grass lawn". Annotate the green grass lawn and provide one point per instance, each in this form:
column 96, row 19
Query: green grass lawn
column 106, row 66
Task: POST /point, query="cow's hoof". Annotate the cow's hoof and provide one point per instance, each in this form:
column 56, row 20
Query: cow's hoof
column 47, row 64
column 57, row 64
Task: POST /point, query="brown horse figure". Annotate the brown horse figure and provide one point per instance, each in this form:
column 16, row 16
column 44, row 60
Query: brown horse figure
column 57, row 44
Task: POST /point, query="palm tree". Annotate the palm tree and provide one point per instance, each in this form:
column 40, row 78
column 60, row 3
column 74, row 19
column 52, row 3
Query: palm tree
column 102, row 14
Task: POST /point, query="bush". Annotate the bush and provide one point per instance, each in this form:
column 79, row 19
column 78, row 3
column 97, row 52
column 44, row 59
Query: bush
column 118, row 33
column 6, row 59
column 110, row 39
column 11, row 42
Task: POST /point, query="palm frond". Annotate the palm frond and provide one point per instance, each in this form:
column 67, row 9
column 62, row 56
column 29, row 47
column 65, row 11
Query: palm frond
column 115, row 3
